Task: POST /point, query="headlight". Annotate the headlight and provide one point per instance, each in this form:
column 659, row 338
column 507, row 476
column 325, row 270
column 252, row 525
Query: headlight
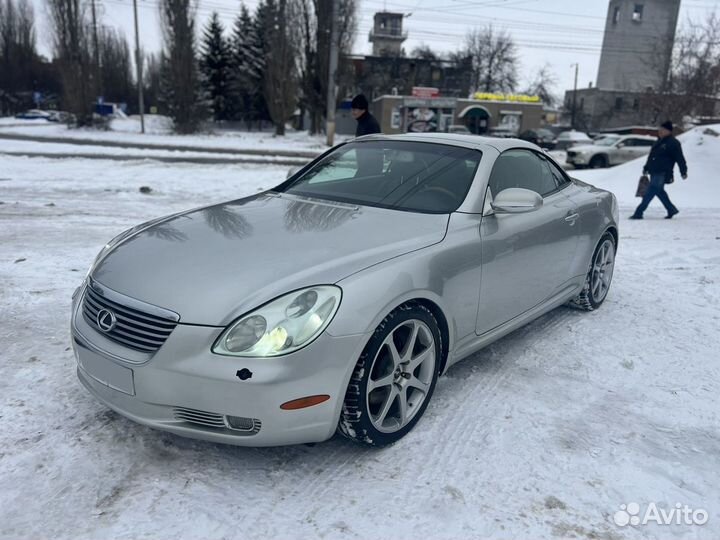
column 282, row 326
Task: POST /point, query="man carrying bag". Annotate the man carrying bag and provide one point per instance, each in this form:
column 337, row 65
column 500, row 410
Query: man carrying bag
column 665, row 153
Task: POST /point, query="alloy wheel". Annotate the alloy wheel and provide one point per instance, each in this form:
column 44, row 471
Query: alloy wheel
column 602, row 270
column 401, row 375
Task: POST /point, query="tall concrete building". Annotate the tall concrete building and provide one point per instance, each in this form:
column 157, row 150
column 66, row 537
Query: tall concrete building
column 637, row 45
column 387, row 35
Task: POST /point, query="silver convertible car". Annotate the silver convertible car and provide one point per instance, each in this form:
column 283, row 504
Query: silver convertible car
column 334, row 301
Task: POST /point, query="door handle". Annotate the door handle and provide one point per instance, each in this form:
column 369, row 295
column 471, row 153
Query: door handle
column 572, row 217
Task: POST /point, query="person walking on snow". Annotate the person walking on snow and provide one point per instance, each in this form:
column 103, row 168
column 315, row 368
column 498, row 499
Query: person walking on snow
column 665, row 153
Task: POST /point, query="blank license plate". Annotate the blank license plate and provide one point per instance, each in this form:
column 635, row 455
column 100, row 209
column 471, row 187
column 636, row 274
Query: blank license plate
column 106, row 371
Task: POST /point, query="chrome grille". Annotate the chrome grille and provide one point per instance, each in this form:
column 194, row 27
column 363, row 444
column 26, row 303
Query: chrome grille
column 237, row 424
column 199, row 417
column 134, row 328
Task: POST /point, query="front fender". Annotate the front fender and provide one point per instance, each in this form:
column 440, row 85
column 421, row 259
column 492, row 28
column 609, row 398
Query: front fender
column 446, row 274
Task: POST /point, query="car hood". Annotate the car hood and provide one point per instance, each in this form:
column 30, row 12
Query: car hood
column 585, row 148
column 212, row 264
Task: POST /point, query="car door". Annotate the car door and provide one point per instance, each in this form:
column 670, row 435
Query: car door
column 620, row 152
column 526, row 257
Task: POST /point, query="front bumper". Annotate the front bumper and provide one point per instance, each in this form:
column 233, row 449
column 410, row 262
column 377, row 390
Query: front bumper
column 577, row 159
column 186, row 389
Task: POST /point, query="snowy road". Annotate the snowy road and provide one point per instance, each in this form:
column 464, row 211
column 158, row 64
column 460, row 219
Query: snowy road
column 543, row 434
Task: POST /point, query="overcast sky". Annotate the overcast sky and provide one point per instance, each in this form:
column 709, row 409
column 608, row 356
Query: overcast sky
column 556, row 32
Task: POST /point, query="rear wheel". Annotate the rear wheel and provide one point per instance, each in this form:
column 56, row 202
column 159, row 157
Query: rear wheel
column 394, row 378
column 599, row 277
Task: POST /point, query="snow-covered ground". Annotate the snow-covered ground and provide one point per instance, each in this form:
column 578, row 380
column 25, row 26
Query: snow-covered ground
column 158, row 132
column 544, row 434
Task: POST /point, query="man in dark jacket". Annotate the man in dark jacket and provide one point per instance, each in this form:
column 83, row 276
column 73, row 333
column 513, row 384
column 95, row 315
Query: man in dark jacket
column 366, row 123
column 665, row 153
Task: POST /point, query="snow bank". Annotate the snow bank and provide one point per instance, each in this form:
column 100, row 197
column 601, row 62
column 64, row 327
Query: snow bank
column 701, row 147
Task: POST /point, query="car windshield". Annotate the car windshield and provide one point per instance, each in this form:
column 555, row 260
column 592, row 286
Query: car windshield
column 403, row 175
column 607, row 141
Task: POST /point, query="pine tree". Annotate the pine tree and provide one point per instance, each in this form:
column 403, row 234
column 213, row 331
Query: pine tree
column 180, row 85
column 246, row 64
column 258, row 45
column 215, row 68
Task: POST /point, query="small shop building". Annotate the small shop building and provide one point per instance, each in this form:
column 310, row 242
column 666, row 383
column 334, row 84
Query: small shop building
column 482, row 114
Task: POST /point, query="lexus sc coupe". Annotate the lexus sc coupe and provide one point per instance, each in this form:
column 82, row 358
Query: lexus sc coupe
column 335, row 300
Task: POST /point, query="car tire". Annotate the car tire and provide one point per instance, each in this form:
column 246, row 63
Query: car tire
column 599, row 276
column 598, row 162
column 393, row 380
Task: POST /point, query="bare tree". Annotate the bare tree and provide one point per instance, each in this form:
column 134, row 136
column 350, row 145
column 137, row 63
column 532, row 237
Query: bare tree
column 281, row 61
column 315, row 35
column 424, row 52
column 543, row 85
column 73, row 52
column 693, row 81
column 180, row 81
column 17, row 47
column 152, row 82
column 494, row 59
column 115, row 66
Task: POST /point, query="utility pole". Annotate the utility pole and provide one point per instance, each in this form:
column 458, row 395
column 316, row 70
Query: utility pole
column 574, row 99
column 332, row 71
column 96, row 51
column 138, row 65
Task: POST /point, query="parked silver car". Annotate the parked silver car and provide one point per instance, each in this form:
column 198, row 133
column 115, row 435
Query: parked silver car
column 566, row 139
column 334, row 301
column 610, row 150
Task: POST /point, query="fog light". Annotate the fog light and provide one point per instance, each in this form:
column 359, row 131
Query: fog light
column 240, row 423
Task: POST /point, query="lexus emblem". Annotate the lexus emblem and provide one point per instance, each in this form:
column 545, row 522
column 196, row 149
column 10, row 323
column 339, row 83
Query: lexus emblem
column 106, row 320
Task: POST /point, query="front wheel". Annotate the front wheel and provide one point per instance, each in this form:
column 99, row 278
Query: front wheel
column 599, row 276
column 598, row 162
column 394, row 378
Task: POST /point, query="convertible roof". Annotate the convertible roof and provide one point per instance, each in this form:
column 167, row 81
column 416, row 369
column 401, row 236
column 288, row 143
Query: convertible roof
column 469, row 141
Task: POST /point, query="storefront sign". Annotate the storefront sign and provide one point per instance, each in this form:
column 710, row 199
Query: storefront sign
column 515, row 98
column 438, row 103
column 425, row 92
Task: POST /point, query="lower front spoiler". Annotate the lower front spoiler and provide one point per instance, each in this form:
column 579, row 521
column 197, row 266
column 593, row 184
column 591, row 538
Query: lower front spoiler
column 163, row 417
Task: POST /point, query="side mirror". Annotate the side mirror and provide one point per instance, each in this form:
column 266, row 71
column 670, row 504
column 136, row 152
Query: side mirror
column 621, row 145
column 292, row 171
column 516, row 201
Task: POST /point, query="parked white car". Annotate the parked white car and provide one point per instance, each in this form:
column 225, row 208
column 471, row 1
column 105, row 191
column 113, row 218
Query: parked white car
column 610, row 150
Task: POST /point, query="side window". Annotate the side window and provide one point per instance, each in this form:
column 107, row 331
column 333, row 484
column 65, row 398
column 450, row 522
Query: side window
column 643, row 142
column 521, row 169
column 558, row 176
